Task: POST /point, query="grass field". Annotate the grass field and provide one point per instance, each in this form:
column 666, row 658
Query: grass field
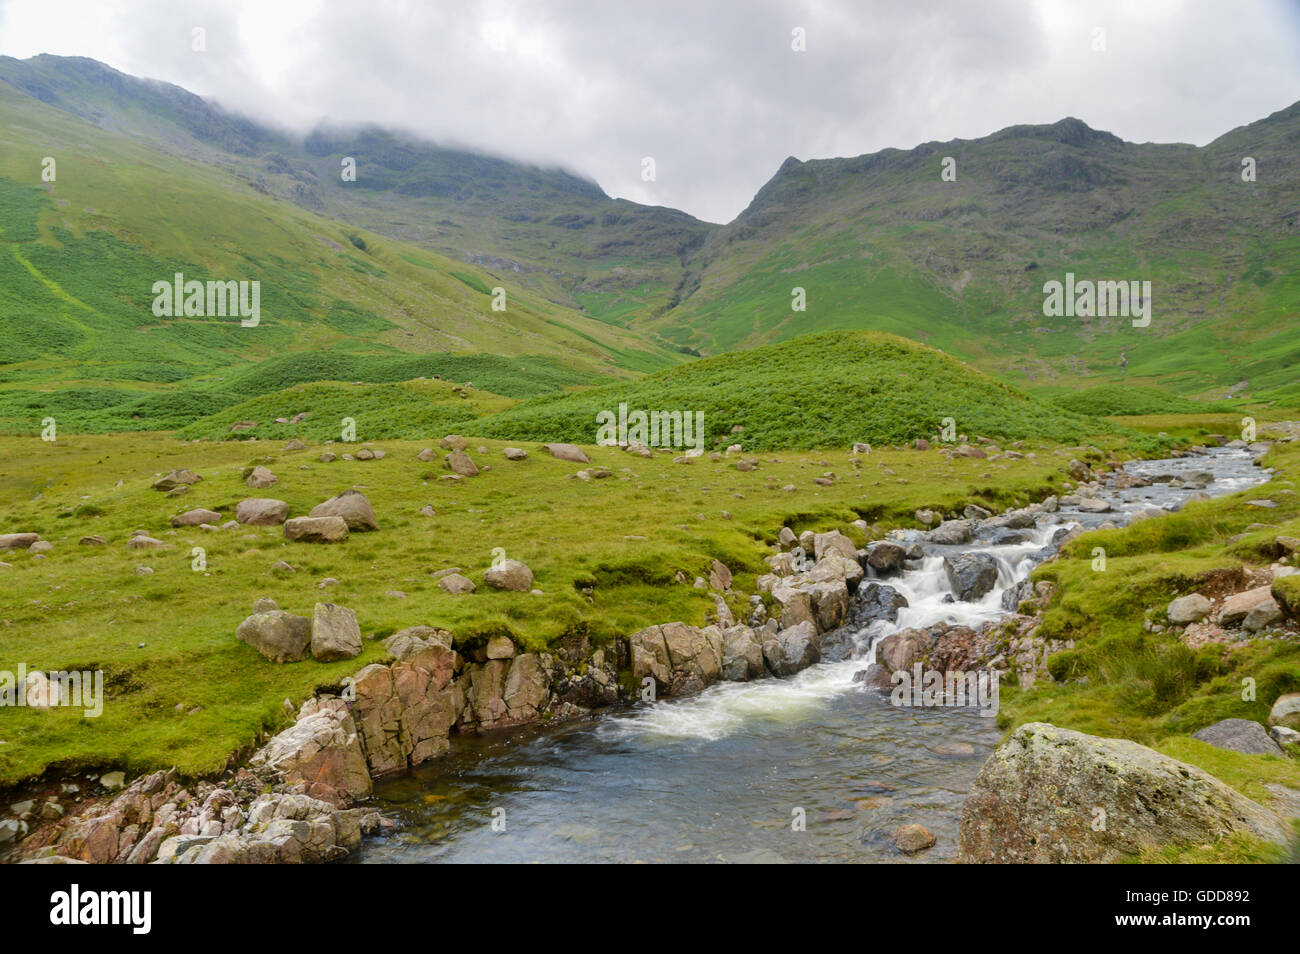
column 626, row 536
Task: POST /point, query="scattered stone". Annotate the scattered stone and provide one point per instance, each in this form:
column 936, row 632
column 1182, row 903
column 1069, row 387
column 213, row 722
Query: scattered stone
column 335, row 633
column 909, row 839
column 316, row 529
column 460, row 463
column 515, row 453
column 509, row 575
column 261, row 512
column 193, row 518
column 1239, row 735
column 17, row 541
column 1286, row 711
column 279, row 636
column 353, row 506
column 1239, row 605
column 260, row 478
column 1188, row 609
column 566, row 452
column 453, row 442
column 176, row 478
column 456, row 584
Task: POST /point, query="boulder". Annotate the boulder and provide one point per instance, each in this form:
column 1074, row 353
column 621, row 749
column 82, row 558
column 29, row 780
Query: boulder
column 453, row 442
column 742, row 654
column 17, row 541
column 1188, row 609
column 950, row 533
column 192, row 518
column 509, row 575
column 566, row 452
column 316, row 529
column 833, row 542
column 1286, row 594
column 1239, row 735
column 876, row 601
column 719, row 576
column 1238, row 606
column 515, row 453
column 909, row 839
column 261, row 512
column 455, row 584
column 898, row 651
column 971, row 575
column 176, row 478
column 800, row 646
column 279, row 636
column 458, row 462
column 1036, row 800
column 335, row 633
column 1286, row 711
column 296, row 444
column 260, row 478
column 428, row 455
column 885, row 557
column 353, row 507
column 875, row 676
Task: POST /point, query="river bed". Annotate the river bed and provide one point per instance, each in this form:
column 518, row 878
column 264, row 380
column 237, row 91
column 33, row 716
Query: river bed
column 728, row 775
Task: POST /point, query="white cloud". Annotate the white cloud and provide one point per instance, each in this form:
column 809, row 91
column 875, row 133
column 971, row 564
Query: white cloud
column 712, row 91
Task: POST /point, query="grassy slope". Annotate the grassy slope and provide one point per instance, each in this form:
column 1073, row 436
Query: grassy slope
column 825, row 390
column 78, row 259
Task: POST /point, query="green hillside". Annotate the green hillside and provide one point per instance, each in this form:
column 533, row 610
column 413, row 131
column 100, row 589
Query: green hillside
column 80, row 255
column 824, row 390
column 881, row 242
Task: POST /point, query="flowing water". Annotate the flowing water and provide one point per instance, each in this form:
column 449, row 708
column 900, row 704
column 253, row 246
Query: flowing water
column 724, row 775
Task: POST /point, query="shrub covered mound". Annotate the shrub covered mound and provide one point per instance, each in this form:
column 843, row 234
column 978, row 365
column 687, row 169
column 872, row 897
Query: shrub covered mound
column 824, row 390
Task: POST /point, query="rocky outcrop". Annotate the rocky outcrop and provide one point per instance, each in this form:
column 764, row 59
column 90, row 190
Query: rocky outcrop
column 1052, row 795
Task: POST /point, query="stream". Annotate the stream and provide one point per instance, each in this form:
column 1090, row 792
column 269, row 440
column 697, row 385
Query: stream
column 721, row 776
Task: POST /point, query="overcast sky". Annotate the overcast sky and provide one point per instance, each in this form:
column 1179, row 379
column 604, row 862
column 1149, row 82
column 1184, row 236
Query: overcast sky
column 713, row 91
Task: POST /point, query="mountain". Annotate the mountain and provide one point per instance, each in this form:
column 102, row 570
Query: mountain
column 135, row 198
column 402, row 260
column 881, row 241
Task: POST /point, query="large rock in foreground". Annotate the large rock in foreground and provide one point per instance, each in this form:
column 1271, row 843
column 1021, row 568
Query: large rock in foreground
column 1041, row 796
